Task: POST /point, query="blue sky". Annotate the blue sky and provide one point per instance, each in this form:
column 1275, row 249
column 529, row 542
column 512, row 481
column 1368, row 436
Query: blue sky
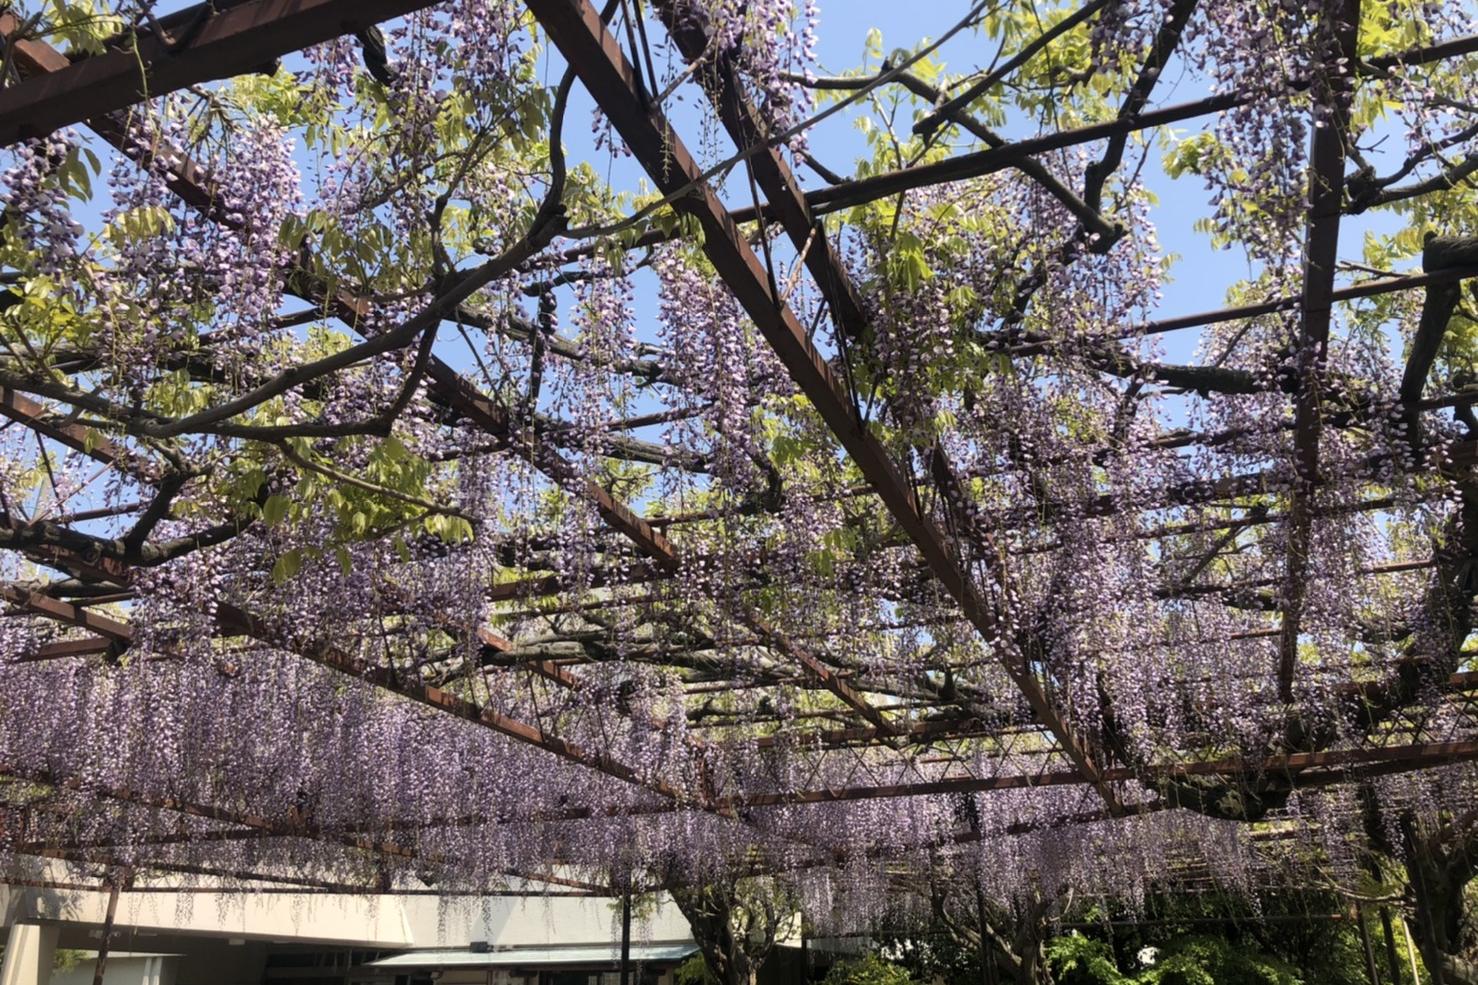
column 1201, row 276
column 1199, row 279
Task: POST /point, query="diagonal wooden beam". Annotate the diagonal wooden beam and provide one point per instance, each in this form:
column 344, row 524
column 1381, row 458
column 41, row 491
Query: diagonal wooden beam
column 747, row 128
column 207, row 45
column 231, row 620
column 65, row 612
column 23, row 410
column 33, row 58
column 576, row 29
column 1334, row 92
column 787, row 201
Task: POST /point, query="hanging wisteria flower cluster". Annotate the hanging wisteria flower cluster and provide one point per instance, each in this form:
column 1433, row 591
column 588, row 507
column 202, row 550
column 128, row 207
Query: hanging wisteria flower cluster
column 402, row 489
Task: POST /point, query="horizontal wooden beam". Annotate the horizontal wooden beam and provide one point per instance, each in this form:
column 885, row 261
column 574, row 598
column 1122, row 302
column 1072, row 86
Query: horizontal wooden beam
column 233, row 621
column 207, row 45
column 1415, row 756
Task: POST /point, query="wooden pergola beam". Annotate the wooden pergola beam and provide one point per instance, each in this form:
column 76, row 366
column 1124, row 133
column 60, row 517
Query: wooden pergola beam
column 206, row 45
column 1334, row 92
column 23, row 410
column 576, row 29
column 1413, row 756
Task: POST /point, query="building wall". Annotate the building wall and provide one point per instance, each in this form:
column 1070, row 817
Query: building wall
column 323, row 919
column 525, row 921
column 388, row 923
column 247, row 939
column 150, row 969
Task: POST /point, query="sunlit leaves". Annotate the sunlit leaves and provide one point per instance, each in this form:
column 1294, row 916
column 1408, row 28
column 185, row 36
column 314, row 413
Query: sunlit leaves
column 82, row 24
column 135, row 225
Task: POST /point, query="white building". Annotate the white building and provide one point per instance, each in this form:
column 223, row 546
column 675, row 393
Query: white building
column 193, row 937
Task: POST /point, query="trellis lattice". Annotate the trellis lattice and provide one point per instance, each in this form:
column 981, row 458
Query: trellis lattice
column 370, row 538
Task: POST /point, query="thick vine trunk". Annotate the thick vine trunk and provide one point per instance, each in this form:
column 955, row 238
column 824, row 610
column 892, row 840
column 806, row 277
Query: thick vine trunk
column 1033, row 969
column 1029, row 943
column 735, row 935
column 1013, row 939
column 1440, row 863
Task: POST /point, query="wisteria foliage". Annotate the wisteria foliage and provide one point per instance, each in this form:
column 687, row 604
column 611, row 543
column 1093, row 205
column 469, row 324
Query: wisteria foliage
column 357, row 629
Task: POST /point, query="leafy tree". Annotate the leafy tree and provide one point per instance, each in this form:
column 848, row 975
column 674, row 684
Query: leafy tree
column 870, row 969
column 735, row 923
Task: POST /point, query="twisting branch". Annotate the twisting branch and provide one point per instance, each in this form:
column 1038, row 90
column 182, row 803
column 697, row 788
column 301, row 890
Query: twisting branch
column 1165, row 43
column 1455, row 175
column 928, row 124
column 1086, row 214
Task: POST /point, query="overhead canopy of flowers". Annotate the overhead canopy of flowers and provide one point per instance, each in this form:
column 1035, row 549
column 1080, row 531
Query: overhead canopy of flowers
column 494, row 443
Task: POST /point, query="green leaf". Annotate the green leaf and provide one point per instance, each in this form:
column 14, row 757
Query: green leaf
column 274, row 511
column 140, row 223
column 288, row 565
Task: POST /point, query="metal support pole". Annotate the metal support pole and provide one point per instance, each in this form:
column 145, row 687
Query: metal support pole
column 114, row 882
column 626, row 936
column 1370, row 968
column 1392, row 959
column 1410, row 951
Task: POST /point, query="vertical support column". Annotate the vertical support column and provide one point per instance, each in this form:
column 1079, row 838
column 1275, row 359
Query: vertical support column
column 102, row 962
column 626, row 935
column 1370, row 967
column 30, row 950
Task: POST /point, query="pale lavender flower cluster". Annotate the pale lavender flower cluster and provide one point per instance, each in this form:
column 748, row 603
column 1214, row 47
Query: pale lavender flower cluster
column 35, row 200
column 767, row 40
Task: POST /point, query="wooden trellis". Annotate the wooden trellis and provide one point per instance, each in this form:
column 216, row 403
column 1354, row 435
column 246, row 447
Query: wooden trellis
column 935, row 517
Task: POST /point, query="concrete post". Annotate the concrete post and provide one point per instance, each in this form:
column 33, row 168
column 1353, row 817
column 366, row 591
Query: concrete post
column 29, row 952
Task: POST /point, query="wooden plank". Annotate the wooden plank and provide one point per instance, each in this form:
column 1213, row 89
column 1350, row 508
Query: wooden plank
column 1321, row 255
column 211, row 45
column 23, row 410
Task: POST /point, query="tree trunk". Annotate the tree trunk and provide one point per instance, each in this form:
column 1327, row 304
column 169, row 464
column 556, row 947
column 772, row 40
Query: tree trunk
column 1439, row 875
column 1030, row 945
column 729, row 952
